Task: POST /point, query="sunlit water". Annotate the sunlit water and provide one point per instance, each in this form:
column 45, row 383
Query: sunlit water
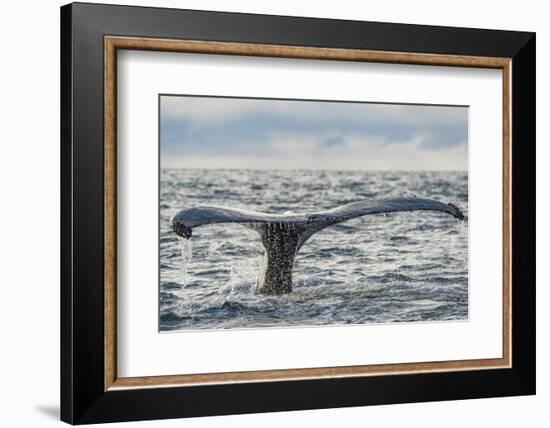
column 400, row 267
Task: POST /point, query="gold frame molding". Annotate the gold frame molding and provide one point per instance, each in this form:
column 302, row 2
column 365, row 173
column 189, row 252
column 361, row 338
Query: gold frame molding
column 113, row 43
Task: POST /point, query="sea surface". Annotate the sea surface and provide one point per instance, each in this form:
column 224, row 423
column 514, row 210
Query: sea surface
column 383, row 268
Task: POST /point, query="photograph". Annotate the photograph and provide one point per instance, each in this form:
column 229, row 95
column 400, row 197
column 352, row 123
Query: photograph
column 266, row 211
column 287, row 213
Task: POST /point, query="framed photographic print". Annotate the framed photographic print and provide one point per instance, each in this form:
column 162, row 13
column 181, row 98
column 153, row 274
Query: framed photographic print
column 265, row 213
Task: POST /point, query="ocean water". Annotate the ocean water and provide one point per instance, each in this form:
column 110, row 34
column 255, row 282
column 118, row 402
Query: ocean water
column 383, row 268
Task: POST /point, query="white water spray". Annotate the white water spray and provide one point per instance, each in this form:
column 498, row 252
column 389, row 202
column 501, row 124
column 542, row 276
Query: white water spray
column 186, row 249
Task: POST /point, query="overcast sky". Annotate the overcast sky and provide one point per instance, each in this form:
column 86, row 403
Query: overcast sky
column 199, row 132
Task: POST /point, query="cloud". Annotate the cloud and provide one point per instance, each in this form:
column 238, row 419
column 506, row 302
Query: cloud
column 212, row 131
column 336, row 140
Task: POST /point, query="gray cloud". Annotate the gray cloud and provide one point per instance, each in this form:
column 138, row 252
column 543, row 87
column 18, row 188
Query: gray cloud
column 383, row 136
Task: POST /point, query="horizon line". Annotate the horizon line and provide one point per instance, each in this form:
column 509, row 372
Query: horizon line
column 313, row 169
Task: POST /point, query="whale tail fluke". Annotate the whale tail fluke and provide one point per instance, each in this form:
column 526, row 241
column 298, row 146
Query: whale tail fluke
column 282, row 235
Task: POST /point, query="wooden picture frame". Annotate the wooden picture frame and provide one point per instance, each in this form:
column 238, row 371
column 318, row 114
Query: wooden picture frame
column 91, row 390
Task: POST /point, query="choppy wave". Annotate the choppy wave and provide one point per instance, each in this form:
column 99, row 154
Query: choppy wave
column 399, row 267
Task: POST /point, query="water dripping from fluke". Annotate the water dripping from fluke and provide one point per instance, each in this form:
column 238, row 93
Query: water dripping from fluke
column 186, row 250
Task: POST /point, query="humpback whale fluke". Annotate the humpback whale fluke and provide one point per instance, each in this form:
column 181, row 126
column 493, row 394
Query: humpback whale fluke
column 284, row 234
